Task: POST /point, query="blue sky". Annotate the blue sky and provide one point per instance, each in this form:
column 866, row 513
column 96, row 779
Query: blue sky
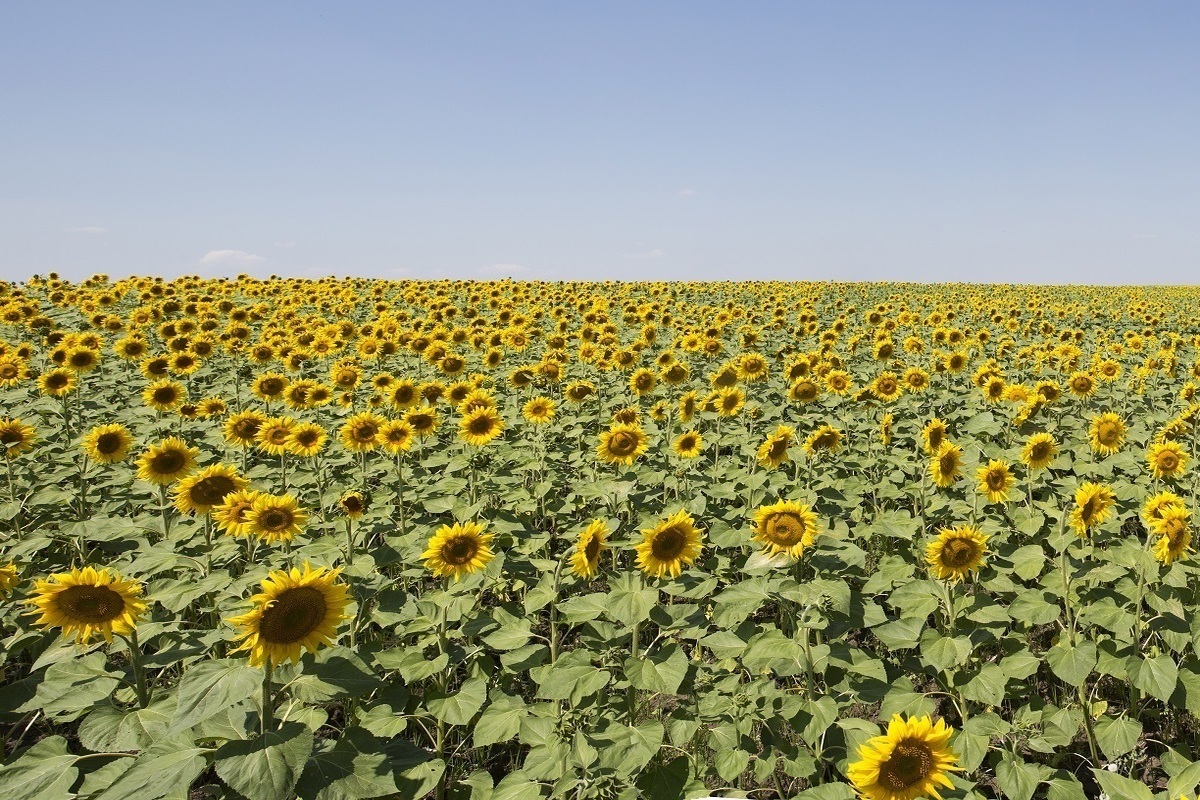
column 1038, row 142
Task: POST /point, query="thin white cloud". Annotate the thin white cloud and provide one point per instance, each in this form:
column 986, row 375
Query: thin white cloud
column 502, row 270
column 657, row 252
column 285, row 244
column 230, row 257
column 93, row 229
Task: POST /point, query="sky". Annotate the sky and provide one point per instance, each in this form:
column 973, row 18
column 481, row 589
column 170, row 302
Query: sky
column 1046, row 142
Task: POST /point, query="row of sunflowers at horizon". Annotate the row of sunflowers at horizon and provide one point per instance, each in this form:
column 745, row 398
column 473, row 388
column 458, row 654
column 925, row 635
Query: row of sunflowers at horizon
column 414, row 358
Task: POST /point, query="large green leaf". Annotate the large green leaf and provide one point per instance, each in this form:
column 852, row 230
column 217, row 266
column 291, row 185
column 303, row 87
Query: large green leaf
column 268, row 766
column 210, row 688
column 167, row 769
column 45, row 771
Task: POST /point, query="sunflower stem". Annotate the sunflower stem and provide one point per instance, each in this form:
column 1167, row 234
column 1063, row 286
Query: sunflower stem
column 349, row 542
column 162, row 505
column 268, row 699
column 139, row 674
column 631, row 692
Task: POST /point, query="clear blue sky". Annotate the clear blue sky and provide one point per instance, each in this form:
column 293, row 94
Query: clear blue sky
column 1039, row 141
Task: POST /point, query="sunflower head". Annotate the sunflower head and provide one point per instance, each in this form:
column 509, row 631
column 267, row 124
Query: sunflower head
column 785, row 528
column 995, row 480
column 956, row 552
column 167, row 461
column 361, row 433
column 1093, row 506
column 276, row 518
column 912, row 760
column 457, row 550
column 538, row 410
column 88, row 601
column 10, row 576
column 946, row 465
column 773, row 452
column 688, row 444
column 203, row 491
column 233, row 514
column 622, row 444
column 480, row 426
column 1040, row 449
column 585, row 561
column 294, row 611
column 353, row 504
column 1167, row 460
column 242, row 428
column 825, row 439
column 668, row 546
column 1107, row 433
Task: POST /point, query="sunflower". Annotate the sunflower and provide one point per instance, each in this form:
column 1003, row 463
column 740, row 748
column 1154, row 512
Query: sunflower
column 804, row 391
column 13, row 370
column 688, row 444
column 81, row 359
column 295, row 610
column 275, row 518
column 1039, row 450
column 1167, row 460
column 688, row 402
column 9, row 578
column 785, row 527
column 274, row 433
column 1081, row 384
column 107, row 444
column 269, row 386
column 887, row 387
column 306, row 439
column 1156, row 506
column 167, row 461
column 57, row 382
column 945, row 466
column 1107, row 433
column 87, row 601
column 1093, row 505
column 585, row 561
column 538, row 410
column 480, row 426
column 233, row 514
column 1174, row 530
column 916, row 379
column 910, row 761
column 579, row 391
column 622, row 444
column 458, row 549
column 774, row 451
column 826, row 438
column 202, row 492
column 396, row 436
column 885, row 429
column 423, row 421
column 934, row 435
column 164, row 395
column 360, row 433
column 643, row 381
column 403, row 394
column 729, row 401
column 995, row 480
column 839, row 382
column 15, row 436
column 353, row 504
column 672, row 543
column 956, row 552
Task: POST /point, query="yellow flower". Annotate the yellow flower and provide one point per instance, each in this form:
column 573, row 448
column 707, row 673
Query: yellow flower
column 585, row 561
column 15, row 436
column 294, row 610
column 773, row 452
column 1093, row 506
column 730, row 401
column 1167, row 460
column 205, row 490
column 688, row 444
column 457, row 550
column 934, row 435
column 1106, row 434
column 886, row 387
column 88, row 601
column 9, row 578
column 995, row 480
column 275, row 518
column 57, row 382
column 232, row 516
column 912, row 760
column 824, row 439
column 361, row 433
column 167, row 461
column 946, row 464
column 956, row 552
column 1081, row 384
column 538, row 410
column 107, row 444
column 306, row 439
column 242, row 428
column 353, row 504
column 274, row 433
column 1040, row 449
column 164, row 395
column 396, row 436
column 1154, row 506
column 669, row 545
column 480, row 426
column 622, row 444
column 785, row 527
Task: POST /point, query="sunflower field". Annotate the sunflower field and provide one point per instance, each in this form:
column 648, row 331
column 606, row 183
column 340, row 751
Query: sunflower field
column 352, row 539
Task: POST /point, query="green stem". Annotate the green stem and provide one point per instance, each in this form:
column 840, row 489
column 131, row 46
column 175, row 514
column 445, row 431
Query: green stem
column 139, row 674
column 268, row 699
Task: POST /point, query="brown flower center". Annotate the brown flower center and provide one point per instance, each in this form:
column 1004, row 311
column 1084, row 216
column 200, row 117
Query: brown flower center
column 168, row 462
column 460, row 551
column 623, row 443
column 958, row 553
column 910, row 763
column 668, row 544
column 212, row 490
column 109, row 443
column 91, row 603
column 784, row 528
column 293, row 615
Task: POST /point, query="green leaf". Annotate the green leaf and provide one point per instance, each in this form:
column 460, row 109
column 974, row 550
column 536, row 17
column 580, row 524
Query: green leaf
column 1072, row 664
column 71, row 686
column 45, row 771
column 665, row 781
column 337, row 672
column 1155, row 676
column 1016, row 779
column 572, row 677
column 355, row 767
column 1065, row 789
column 731, row 762
column 517, row 786
column 459, row 706
column 1117, row 735
column 1115, row 786
column 1185, row 781
column 167, row 769
column 986, row 686
column 945, row 652
column 108, row 729
column 630, row 600
column 268, row 766
column 210, row 688
column 661, row 671
column 500, row 721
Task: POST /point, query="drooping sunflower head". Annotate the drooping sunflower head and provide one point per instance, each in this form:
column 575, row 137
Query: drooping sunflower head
column 107, row 444
column 912, row 760
column 1156, row 505
column 688, row 402
column 1040, row 449
column 203, row 491
column 688, row 444
column 1093, row 506
column 242, row 428
column 167, row 461
column 1107, row 433
column 233, row 514
column 353, row 504
column 276, row 518
column 934, row 435
column 459, row 549
column 10, row 577
column 88, row 601
column 825, row 439
column 585, row 561
column 361, row 433
column 668, row 546
column 1167, row 460
column 956, row 552
column 579, row 391
column 946, row 465
column 538, row 410
column 622, row 444
column 480, row 426
column 1174, row 531
column 295, row 610
column 785, row 527
column 995, row 480
column 773, row 452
